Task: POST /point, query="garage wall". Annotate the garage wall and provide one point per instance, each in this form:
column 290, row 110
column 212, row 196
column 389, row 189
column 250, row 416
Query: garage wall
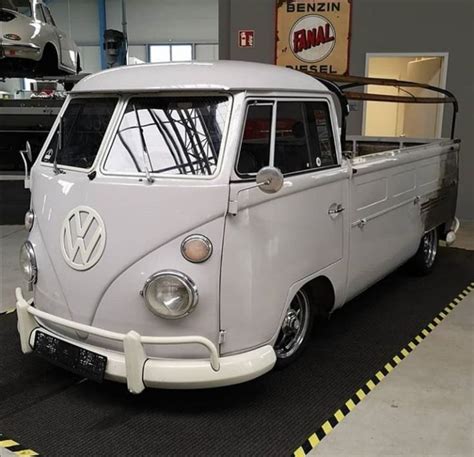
column 148, row 22
column 79, row 19
column 420, row 26
column 235, row 15
column 425, row 26
column 152, row 21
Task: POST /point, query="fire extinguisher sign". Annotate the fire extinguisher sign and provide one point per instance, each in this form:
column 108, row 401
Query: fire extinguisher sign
column 246, row 38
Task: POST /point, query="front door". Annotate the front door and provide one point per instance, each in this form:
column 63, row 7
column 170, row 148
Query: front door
column 277, row 240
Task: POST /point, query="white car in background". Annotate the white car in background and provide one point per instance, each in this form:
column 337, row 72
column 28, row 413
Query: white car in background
column 31, row 44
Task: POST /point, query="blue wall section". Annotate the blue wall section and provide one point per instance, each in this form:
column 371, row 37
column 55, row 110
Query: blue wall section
column 102, row 28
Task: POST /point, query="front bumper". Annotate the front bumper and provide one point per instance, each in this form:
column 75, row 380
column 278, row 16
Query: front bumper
column 20, row 51
column 137, row 370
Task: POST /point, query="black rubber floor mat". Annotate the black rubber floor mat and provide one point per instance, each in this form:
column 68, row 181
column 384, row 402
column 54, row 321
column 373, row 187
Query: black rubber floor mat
column 57, row 415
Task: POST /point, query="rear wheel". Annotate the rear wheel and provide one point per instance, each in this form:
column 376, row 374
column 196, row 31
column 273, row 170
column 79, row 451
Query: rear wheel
column 295, row 330
column 424, row 260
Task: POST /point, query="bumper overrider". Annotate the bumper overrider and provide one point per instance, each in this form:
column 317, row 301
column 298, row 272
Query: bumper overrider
column 136, row 369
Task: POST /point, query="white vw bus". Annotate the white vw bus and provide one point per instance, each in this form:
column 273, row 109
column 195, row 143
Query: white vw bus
column 189, row 221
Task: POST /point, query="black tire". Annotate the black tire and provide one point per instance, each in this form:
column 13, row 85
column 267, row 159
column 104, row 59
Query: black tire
column 423, row 262
column 295, row 331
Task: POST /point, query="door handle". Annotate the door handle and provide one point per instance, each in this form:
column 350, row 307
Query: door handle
column 335, row 209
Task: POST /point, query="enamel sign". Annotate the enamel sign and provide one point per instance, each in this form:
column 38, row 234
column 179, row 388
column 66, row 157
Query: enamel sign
column 314, row 36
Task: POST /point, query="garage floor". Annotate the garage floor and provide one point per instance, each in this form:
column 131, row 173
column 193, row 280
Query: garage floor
column 428, row 400
column 424, row 407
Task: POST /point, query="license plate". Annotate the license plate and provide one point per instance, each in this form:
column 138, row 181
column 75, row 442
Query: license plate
column 73, row 358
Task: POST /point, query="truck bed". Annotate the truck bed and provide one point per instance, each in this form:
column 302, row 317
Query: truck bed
column 364, row 145
column 393, row 172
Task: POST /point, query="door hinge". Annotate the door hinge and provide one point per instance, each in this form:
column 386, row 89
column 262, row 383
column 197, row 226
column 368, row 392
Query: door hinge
column 221, row 336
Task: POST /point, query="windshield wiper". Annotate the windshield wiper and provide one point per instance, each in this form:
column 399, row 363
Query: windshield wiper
column 146, row 155
column 56, row 169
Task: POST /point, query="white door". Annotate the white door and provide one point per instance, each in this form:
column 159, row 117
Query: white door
column 422, row 120
column 276, row 240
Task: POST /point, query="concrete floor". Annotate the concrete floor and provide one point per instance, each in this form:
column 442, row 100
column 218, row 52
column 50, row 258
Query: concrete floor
column 425, row 407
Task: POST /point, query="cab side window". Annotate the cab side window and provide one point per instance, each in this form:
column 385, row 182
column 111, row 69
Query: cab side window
column 303, row 139
column 255, row 147
column 47, row 14
column 292, row 149
column 39, row 14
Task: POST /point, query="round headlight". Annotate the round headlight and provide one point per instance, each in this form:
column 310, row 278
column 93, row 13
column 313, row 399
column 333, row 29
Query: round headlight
column 170, row 294
column 29, row 219
column 196, row 248
column 28, row 262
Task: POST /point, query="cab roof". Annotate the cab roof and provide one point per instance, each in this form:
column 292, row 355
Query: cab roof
column 219, row 75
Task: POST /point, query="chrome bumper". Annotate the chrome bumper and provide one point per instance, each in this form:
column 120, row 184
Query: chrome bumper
column 137, row 370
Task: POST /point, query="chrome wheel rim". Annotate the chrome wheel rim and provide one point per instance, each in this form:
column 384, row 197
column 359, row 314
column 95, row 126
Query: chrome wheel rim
column 430, row 248
column 294, row 326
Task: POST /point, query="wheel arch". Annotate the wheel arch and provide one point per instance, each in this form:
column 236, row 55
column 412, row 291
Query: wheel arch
column 51, row 47
column 322, row 294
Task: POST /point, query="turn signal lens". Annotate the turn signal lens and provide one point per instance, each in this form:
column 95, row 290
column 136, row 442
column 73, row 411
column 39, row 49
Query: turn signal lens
column 28, row 263
column 196, row 248
column 29, row 219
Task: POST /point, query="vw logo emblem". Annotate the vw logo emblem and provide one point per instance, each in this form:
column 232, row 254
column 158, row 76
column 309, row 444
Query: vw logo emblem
column 82, row 238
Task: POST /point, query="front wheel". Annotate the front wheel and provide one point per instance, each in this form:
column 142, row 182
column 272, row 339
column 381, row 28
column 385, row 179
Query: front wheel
column 424, row 260
column 295, row 330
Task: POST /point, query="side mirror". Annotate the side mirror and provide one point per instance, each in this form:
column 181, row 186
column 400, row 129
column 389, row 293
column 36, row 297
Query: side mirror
column 270, row 180
column 26, row 154
column 27, row 151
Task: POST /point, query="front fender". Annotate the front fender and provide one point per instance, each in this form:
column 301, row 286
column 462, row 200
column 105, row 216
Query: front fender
column 122, row 308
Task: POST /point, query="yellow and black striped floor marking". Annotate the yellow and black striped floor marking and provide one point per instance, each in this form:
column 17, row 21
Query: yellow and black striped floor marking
column 328, row 426
column 8, row 311
column 14, row 447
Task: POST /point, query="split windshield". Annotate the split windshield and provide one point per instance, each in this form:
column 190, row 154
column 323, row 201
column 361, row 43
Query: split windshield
column 172, row 136
column 80, row 132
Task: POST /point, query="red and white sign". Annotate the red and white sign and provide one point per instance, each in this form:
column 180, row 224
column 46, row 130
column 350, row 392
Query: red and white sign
column 312, row 38
column 314, row 35
column 246, row 38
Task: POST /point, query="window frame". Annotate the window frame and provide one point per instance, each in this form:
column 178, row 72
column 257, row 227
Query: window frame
column 271, row 155
column 274, row 101
column 158, row 176
column 105, row 140
column 170, row 46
